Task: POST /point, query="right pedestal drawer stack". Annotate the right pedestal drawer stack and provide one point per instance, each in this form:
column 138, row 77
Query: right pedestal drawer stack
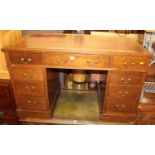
column 122, row 95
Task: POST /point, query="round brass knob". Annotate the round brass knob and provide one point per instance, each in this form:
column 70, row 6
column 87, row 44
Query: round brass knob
column 119, row 92
column 122, row 79
column 22, row 59
column 33, row 87
column 25, row 75
column 123, row 106
column 120, row 107
column 117, row 106
column 29, row 59
column 29, row 101
column 126, row 92
column 35, row 102
column 26, row 87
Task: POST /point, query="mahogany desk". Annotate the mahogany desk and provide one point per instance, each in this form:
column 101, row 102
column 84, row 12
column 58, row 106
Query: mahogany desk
column 125, row 60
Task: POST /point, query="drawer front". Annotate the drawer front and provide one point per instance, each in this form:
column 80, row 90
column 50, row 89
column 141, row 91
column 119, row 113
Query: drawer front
column 26, row 74
column 76, row 60
column 31, row 103
column 129, row 62
column 25, row 58
column 126, row 78
column 6, row 113
column 125, row 92
column 30, row 88
column 119, row 105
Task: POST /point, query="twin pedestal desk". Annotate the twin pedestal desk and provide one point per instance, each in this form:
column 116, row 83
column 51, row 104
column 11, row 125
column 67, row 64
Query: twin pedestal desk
column 29, row 60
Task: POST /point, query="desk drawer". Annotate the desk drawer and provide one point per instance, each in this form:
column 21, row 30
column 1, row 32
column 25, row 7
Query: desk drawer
column 29, row 88
column 126, row 78
column 27, row 74
column 129, row 62
column 76, row 60
column 119, row 105
column 25, row 58
column 32, row 103
column 125, row 92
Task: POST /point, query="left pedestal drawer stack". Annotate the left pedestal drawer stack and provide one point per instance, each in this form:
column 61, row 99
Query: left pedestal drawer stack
column 30, row 92
column 28, row 79
column 7, row 104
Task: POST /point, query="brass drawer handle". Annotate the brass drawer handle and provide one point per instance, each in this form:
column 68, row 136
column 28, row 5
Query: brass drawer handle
column 128, row 63
column 30, row 88
column 22, row 59
column 35, row 102
column 123, row 94
column 1, row 113
column 27, row 75
column 125, row 63
column 123, row 80
column 33, row 88
column 61, row 62
column 26, row 87
column 126, row 92
column 120, row 107
column 29, row 102
column 29, row 59
column 91, row 63
column 25, row 61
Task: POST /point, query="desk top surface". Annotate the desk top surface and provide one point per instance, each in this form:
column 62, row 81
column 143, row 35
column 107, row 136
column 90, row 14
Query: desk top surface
column 78, row 43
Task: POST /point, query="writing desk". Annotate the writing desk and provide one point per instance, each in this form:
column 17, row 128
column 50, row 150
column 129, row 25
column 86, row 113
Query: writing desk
column 125, row 60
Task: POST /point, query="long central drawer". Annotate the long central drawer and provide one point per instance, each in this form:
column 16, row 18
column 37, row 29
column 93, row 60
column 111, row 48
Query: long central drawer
column 76, row 60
